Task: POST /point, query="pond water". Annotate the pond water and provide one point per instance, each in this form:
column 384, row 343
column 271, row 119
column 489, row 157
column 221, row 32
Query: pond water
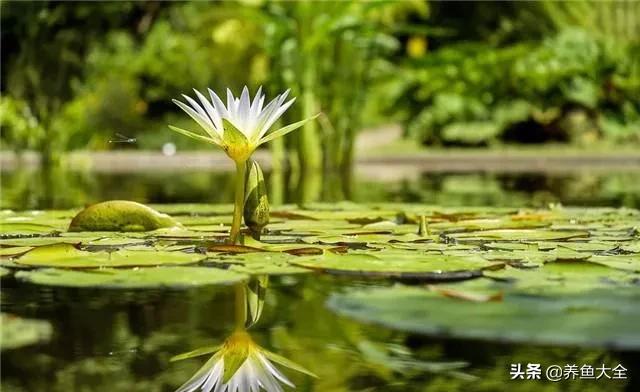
column 123, row 340
column 29, row 189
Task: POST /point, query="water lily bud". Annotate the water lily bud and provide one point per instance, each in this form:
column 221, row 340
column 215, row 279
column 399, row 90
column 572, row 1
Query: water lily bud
column 256, row 203
column 255, row 292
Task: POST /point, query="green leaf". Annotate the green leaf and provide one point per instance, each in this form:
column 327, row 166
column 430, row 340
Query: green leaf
column 599, row 317
column 516, row 235
column 171, row 277
column 258, row 263
column 403, row 264
column 68, row 256
column 284, row 130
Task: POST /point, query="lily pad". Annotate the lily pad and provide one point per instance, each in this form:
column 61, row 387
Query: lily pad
column 69, row 256
column 397, row 264
column 624, row 262
column 8, row 230
column 262, row 263
column 171, row 277
column 594, row 318
column 516, row 235
column 14, row 251
column 120, row 215
column 17, row 331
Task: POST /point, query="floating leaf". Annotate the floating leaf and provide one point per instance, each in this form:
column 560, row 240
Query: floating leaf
column 17, row 332
column 516, row 235
column 23, row 229
column 258, row 263
column 172, row 277
column 397, row 264
column 623, row 262
column 14, row 251
column 597, row 317
column 69, row 256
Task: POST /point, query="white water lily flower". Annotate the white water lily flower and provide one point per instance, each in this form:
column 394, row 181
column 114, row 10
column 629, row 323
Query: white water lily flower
column 240, row 365
column 241, row 125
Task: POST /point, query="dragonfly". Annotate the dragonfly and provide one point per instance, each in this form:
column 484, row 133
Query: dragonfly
column 123, row 139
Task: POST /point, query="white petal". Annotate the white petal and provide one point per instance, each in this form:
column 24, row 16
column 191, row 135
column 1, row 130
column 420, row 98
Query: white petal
column 243, row 111
column 275, row 116
column 217, row 103
column 215, row 376
column 256, row 103
column 266, row 113
column 274, row 371
column 211, row 111
column 195, row 105
column 255, row 108
column 203, row 122
column 231, row 103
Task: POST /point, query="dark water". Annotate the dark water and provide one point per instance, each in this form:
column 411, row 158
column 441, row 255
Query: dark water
column 122, row 340
column 31, row 189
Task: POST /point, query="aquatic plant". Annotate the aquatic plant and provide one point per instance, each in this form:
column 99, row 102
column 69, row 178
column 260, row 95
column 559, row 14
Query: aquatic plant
column 238, row 128
column 241, row 365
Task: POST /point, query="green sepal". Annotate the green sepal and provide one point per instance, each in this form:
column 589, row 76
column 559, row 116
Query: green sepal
column 193, row 135
column 235, row 143
column 196, row 353
column 232, row 362
column 287, row 363
column 284, row 130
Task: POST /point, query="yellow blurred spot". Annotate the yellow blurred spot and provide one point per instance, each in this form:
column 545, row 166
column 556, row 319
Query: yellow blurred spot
column 416, row 46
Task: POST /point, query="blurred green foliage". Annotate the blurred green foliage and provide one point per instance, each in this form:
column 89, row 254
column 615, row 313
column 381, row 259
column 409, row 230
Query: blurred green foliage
column 74, row 74
column 90, row 70
column 575, row 77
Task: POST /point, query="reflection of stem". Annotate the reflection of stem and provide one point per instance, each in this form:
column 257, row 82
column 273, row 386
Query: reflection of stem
column 240, row 306
column 241, row 168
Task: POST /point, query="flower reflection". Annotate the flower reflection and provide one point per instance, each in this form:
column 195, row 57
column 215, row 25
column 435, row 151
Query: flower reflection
column 239, row 364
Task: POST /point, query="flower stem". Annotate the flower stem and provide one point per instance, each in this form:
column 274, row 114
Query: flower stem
column 241, row 168
column 240, row 306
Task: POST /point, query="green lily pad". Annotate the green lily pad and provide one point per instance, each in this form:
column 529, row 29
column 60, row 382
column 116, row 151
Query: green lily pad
column 14, row 251
column 69, row 256
column 263, row 263
column 516, row 235
column 397, row 264
column 624, row 262
column 24, row 229
column 18, row 332
column 4, row 271
column 594, row 318
column 562, row 277
column 120, row 215
column 170, row 277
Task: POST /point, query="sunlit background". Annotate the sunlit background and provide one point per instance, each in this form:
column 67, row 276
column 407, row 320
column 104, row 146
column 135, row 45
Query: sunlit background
column 392, row 79
column 449, row 103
